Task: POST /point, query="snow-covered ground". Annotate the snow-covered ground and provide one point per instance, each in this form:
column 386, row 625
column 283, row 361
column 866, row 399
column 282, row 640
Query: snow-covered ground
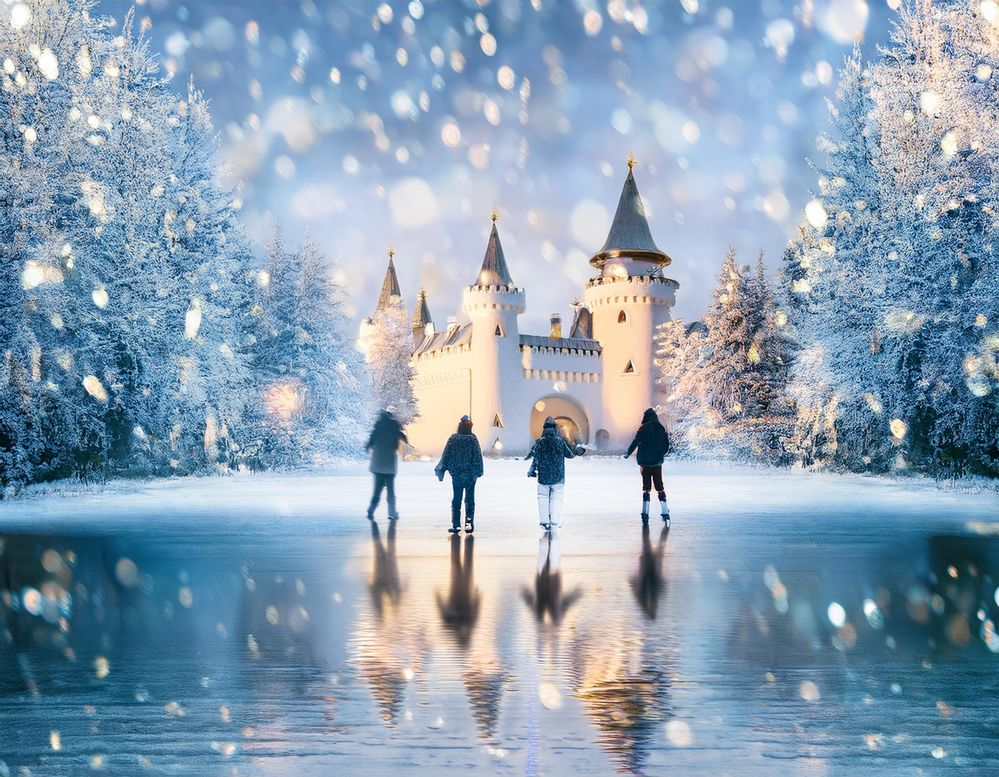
column 789, row 623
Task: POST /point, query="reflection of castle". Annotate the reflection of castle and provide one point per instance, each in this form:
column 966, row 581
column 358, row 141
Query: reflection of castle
column 596, row 381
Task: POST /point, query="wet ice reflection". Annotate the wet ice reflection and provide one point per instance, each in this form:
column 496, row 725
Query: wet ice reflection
column 651, row 651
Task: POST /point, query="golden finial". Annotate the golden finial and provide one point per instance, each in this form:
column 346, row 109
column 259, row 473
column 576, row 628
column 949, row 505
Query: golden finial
column 631, row 161
column 494, row 215
column 391, row 252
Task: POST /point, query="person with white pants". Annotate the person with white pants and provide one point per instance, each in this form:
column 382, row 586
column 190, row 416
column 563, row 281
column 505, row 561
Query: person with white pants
column 548, row 455
column 550, row 505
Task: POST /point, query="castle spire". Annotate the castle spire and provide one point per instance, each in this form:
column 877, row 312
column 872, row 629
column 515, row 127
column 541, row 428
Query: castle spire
column 494, row 271
column 421, row 316
column 629, row 233
column 390, row 286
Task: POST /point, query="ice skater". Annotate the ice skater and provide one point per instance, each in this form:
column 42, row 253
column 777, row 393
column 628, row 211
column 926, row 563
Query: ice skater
column 462, row 457
column 652, row 442
column 548, row 455
column 384, row 446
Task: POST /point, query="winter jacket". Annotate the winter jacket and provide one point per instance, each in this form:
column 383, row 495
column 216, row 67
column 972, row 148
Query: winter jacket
column 549, row 453
column 384, row 444
column 462, row 457
column 652, row 441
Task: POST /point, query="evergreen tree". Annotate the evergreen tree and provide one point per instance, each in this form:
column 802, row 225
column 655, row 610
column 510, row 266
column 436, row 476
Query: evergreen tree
column 389, row 349
column 892, row 295
column 304, row 364
column 727, row 389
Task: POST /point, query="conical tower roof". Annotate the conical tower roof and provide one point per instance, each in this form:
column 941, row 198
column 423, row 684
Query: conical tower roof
column 390, row 286
column 494, row 271
column 629, row 233
column 421, row 316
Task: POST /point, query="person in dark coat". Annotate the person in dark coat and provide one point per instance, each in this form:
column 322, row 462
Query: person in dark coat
column 548, row 455
column 652, row 443
column 384, row 446
column 462, row 457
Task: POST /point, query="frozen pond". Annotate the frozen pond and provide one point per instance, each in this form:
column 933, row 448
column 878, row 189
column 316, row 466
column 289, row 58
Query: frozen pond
column 786, row 624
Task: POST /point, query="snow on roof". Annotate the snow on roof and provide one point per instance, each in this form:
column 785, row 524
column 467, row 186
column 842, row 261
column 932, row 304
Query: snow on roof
column 458, row 335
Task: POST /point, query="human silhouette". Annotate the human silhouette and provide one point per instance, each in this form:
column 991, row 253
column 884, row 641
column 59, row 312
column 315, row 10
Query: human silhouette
column 548, row 455
column 652, row 443
column 384, row 447
column 460, row 610
column 648, row 583
column 462, row 457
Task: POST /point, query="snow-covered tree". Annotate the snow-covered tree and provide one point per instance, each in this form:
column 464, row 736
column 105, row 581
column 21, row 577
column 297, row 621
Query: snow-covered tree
column 122, row 250
column 304, row 364
column 726, row 388
column 389, row 349
column 891, row 286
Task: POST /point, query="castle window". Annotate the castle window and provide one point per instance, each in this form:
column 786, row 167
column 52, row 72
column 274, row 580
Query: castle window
column 622, row 317
column 499, row 331
column 630, row 368
column 497, row 421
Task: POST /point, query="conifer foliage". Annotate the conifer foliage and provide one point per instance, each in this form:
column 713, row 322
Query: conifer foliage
column 891, row 286
column 125, row 296
column 725, row 381
column 389, row 348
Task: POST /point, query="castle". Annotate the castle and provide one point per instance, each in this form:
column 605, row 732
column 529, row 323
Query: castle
column 595, row 380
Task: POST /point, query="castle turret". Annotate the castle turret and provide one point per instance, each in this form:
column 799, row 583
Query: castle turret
column 493, row 304
column 423, row 324
column 626, row 302
column 389, row 295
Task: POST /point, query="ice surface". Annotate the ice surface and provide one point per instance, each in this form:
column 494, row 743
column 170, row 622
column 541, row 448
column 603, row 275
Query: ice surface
column 788, row 623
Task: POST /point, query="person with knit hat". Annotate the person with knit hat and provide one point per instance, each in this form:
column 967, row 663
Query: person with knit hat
column 548, row 455
column 462, row 457
column 652, row 443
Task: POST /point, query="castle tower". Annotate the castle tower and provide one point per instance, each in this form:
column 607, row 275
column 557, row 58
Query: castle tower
column 493, row 304
column 390, row 294
column 626, row 301
column 423, row 324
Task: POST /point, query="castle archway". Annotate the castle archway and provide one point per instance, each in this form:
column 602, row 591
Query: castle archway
column 568, row 414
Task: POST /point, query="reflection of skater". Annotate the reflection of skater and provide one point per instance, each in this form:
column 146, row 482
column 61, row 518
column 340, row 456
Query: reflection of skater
column 384, row 446
column 462, row 457
column 548, row 455
column 648, row 583
column 384, row 586
column 460, row 610
column 652, row 442
column 546, row 600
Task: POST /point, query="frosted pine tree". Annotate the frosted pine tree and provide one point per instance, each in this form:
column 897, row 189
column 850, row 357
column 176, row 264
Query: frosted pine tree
column 306, row 368
column 898, row 255
column 331, row 364
column 110, row 260
column 389, row 349
column 678, row 355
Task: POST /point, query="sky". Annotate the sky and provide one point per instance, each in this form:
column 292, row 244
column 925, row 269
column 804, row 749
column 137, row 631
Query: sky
column 370, row 124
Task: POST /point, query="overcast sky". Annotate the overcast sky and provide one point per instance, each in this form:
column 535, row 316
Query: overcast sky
column 367, row 124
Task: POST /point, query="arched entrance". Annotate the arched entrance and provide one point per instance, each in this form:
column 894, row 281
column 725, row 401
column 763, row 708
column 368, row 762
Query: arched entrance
column 568, row 414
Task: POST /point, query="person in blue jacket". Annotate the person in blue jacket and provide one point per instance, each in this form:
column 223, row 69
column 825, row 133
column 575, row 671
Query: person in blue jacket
column 462, row 457
column 652, row 443
column 548, row 455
